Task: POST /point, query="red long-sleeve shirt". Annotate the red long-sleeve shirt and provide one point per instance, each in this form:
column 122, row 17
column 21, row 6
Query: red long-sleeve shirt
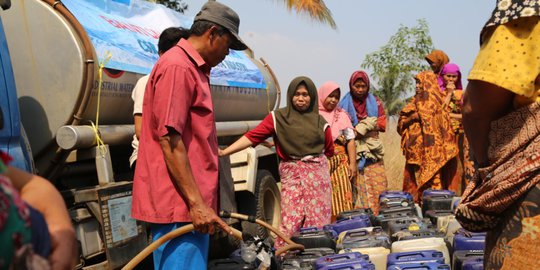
column 266, row 129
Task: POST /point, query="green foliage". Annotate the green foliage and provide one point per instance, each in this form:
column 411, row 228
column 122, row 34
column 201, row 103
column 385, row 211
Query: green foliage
column 395, row 64
column 177, row 5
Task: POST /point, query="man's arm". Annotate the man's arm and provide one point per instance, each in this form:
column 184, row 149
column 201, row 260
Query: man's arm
column 203, row 217
column 138, row 97
column 483, row 103
column 137, row 120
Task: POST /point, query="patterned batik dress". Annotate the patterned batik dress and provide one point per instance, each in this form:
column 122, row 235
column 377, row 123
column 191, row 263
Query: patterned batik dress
column 341, row 182
column 369, row 184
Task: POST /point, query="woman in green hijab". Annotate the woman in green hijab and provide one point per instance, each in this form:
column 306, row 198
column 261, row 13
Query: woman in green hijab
column 303, row 142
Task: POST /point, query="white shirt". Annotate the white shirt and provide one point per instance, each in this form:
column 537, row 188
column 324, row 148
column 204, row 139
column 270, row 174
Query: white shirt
column 348, row 133
column 138, row 96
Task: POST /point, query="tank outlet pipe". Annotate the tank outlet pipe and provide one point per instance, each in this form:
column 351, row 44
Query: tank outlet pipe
column 225, row 129
column 79, row 137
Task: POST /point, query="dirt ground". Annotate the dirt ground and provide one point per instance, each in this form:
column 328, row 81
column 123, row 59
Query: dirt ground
column 394, row 161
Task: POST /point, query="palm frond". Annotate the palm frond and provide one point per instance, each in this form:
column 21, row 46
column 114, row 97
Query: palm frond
column 315, row 9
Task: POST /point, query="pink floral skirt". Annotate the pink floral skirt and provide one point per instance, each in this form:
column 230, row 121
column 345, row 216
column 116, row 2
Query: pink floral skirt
column 306, row 194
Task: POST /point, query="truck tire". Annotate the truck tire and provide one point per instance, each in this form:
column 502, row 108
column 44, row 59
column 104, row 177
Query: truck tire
column 268, row 205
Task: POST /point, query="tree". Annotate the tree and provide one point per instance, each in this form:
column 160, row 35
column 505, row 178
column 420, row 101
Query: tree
column 177, row 5
column 316, row 9
column 395, row 64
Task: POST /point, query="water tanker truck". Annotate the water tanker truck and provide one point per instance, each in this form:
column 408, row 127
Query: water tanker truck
column 69, row 67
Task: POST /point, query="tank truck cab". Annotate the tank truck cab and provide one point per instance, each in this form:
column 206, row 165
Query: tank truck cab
column 255, row 174
column 12, row 137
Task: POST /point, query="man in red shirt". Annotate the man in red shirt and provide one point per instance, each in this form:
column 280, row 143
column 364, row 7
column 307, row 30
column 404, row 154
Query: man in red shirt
column 176, row 179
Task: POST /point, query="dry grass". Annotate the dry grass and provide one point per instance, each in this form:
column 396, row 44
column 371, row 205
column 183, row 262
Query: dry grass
column 394, row 161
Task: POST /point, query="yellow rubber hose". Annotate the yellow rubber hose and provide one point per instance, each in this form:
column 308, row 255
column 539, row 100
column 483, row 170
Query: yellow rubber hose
column 290, row 244
column 236, row 233
column 171, row 235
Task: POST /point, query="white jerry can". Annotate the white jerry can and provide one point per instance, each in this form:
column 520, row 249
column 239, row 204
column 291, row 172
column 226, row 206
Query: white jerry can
column 431, row 243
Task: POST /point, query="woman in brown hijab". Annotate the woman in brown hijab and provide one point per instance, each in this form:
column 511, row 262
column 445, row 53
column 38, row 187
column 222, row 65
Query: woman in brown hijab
column 437, row 59
column 303, row 142
column 427, row 140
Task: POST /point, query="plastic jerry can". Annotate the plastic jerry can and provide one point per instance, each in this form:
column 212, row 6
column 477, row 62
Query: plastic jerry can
column 409, row 223
column 314, row 238
column 349, row 224
column 419, row 266
column 350, row 265
column 377, row 255
column 434, row 215
column 315, row 229
column 296, row 265
column 392, row 199
column 438, row 192
column 432, row 243
column 461, row 256
column 416, row 256
column 381, row 218
column 230, row 264
column 306, row 258
column 409, row 209
column 355, row 212
column 395, row 195
column 465, row 240
column 394, row 203
column 310, row 254
column 437, row 200
column 473, row 264
column 340, row 258
column 373, row 231
column 391, row 225
column 418, row 234
column 364, row 242
column 321, row 251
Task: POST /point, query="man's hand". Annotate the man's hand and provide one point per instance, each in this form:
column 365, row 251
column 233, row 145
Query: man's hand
column 64, row 249
column 204, row 219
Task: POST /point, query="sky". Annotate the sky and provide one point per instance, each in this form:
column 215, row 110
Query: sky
column 295, row 45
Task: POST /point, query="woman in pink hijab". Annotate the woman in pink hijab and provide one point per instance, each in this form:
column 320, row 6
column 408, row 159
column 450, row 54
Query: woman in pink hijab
column 343, row 166
column 452, row 89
